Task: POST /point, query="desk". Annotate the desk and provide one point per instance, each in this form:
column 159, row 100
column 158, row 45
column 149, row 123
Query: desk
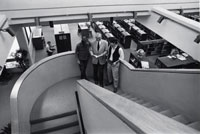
column 105, row 31
column 100, row 27
column 11, row 65
column 136, row 62
column 8, row 69
column 99, row 23
column 166, row 62
column 109, row 35
column 83, row 29
column 37, row 39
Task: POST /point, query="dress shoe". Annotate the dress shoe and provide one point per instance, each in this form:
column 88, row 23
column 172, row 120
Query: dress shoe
column 96, row 82
column 109, row 83
column 115, row 90
column 101, row 84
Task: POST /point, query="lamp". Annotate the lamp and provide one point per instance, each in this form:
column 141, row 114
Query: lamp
column 9, row 30
column 197, row 39
column 160, row 19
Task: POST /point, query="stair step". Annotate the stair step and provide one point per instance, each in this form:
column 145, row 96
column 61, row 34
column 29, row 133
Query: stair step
column 148, row 104
column 53, row 123
column 71, row 130
column 40, row 120
column 129, row 96
column 140, row 101
column 124, row 94
column 157, row 108
column 168, row 113
column 195, row 125
column 64, row 126
column 77, row 132
column 134, row 98
column 120, row 92
column 180, row 118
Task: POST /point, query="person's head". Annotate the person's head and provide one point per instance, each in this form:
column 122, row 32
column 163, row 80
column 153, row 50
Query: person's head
column 140, row 53
column 113, row 42
column 49, row 43
column 84, row 39
column 174, row 51
column 98, row 36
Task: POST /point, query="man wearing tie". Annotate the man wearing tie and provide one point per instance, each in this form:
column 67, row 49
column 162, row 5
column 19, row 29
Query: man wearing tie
column 98, row 51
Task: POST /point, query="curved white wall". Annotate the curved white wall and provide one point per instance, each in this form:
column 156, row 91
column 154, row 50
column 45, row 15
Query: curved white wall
column 34, row 82
column 178, row 89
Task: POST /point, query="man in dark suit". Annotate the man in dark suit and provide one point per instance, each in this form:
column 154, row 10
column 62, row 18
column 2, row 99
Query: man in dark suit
column 98, row 51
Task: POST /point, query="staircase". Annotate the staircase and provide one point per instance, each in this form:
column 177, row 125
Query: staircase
column 162, row 110
column 65, row 123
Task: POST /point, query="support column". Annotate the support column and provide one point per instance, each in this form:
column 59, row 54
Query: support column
column 23, row 43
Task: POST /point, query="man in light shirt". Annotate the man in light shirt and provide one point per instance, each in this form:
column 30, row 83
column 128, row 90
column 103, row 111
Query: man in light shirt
column 115, row 53
column 98, row 51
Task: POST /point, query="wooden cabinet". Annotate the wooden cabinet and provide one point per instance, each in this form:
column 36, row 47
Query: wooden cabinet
column 62, row 37
column 83, row 28
column 37, row 38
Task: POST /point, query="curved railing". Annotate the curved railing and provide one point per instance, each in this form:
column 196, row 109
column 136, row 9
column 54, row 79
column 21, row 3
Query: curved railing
column 174, row 88
column 34, row 82
column 153, row 84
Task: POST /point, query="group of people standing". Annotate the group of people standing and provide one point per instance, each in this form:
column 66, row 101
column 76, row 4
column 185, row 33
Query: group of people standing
column 101, row 52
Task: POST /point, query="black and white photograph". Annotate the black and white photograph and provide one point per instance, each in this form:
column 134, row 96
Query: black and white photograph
column 99, row 67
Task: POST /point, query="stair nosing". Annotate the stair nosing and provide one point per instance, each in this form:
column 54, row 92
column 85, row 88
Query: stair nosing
column 56, row 128
column 54, row 117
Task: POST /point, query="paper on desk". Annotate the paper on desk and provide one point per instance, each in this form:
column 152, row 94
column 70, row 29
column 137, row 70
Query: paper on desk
column 169, row 56
column 145, row 64
column 185, row 54
column 180, row 57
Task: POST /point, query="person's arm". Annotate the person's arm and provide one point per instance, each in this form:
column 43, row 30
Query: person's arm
column 76, row 50
column 121, row 53
column 48, row 48
column 91, row 51
column 77, row 53
column 105, row 50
